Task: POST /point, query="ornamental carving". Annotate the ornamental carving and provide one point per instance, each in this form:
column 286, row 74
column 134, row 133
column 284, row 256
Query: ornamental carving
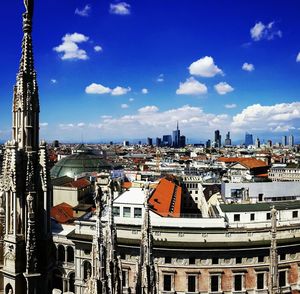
column 10, row 251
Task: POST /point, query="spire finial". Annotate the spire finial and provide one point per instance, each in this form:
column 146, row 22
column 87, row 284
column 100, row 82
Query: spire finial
column 27, row 16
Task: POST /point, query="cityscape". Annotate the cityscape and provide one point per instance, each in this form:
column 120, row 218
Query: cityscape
column 141, row 194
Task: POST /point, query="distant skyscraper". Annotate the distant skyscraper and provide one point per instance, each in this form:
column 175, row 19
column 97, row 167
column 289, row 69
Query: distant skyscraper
column 158, row 142
column 284, row 140
column 125, row 143
column 208, row 144
column 167, row 140
column 149, row 141
column 182, row 141
column 248, row 139
column 269, row 143
column 228, row 140
column 218, row 139
column 257, row 143
column 291, row 141
column 176, row 137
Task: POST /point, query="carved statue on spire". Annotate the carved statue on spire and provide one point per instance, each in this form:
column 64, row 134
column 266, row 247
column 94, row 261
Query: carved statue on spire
column 29, row 7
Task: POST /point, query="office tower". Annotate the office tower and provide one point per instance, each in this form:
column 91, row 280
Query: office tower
column 269, row 143
column 257, row 143
column 125, row 143
column 167, row 140
column 149, row 141
column 284, row 141
column 248, row 139
column 208, row 144
column 228, row 140
column 176, row 137
column 158, row 142
column 291, row 141
column 182, row 141
column 218, row 139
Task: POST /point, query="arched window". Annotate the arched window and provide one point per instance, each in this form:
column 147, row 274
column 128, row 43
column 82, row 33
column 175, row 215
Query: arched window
column 8, row 289
column 57, row 280
column 61, row 253
column 87, row 268
column 70, row 254
column 72, row 282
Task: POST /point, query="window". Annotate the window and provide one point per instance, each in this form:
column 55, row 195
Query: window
column 125, row 278
column 137, row 212
column 261, row 258
column 238, row 281
column 87, row 268
column 260, row 197
column 61, row 253
column 192, row 260
column 168, row 259
column 214, row 283
column 260, row 281
column 72, row 282
column 70, row 254
column 295, row 213
column 282, row 256
column 268, row 215
column 282, row 278
column 238, row 260
column 236, row 217
column 215, row 260
column 167, row 282
column 126, row 211
column 252, row 216
column 116, row 211
column 191, row 283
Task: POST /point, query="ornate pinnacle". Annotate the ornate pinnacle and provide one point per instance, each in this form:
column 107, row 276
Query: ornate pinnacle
column 27, row 16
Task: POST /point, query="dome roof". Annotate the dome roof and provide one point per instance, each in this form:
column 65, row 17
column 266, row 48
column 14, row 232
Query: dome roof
column 78, row 163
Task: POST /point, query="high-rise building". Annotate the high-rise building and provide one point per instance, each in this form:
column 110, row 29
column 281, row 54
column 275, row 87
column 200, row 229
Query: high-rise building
column 167, row 140
column 182, row 141
column 149, row 141
column 257, row 143
column 291, row 141
column 248, row 139
column 158, row 142
column 269, row 144
column 218, row 139
column 284, row 140
column 228, row 140
column 208, row 144
column 176, row 137
column 25, row 184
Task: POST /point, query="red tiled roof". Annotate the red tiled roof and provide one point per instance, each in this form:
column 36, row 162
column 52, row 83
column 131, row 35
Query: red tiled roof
column 62, row 213
column 247, row 162
column 127, row 185
column 81, row 183
column 166, row 199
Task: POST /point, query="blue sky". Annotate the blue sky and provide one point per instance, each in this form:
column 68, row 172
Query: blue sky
column 110, row 70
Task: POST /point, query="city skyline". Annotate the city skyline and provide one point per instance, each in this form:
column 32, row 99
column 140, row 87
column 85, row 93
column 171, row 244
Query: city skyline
column 115, row 70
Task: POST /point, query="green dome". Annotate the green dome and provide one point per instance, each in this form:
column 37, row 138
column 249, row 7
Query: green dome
column 78, row 163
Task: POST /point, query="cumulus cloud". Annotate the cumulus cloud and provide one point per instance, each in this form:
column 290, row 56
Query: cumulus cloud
column 230, row 106
column 99, row 89
column 124, row 105
column 69, row 48
column 121, row 8
column 160, row 78
column 98, row 48
column 53, row 81
column 262, row 31
column 44, row 124
column 191, row 87
column 145, row 91
column 205, row 67
column 85, row 11
column 248, row 66
column 223, row 88
column 298, row 57
column 131, row 99
column 268, row 118
column 81, row 125
column 147, row 109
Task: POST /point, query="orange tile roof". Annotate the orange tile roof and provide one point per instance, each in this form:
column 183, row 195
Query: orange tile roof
column 247, row 162
column 81, row 183
column 127, row 185
column 62, row 213
column 166, row 199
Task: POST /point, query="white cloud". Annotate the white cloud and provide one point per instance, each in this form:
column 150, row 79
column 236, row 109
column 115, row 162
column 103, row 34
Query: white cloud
column 81, row 124
column 149, row 108
column 145, row 91
column 205, row 67
column 98, row 48
column 298, row 57
column 268, row 118
column 131, row 99
column 118, row 91
column 124, row 106
column 230, row 106
column 160, row 78
column 84, row 11
column 191, row 87
column 106, row 116
column 44, row 124
column 121, row 8
column 53, row 81
column 97, row 89
column 248, row 66
column 223, row 88
column 69, row 48
column 261, row 31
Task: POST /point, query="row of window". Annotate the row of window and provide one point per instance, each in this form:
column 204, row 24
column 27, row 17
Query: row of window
column 237, row 216
column 64, row 255
column 137, row 212
column 238, row 282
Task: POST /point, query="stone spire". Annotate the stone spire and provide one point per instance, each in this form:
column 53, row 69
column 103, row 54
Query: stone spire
column 24, row 183
column 146, row 276
column 273, row 271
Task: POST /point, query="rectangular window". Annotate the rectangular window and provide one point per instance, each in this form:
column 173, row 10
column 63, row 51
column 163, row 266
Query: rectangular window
column 260, row 281
column 125, row 278
column 295, row 213
column 215, row 260
column 252, row 216
column 261, row 258
column 192, row 260
column 116, row 211
column 282, row 278
column 214, row 283
column 238, row 279
column 268, row 215
column 191, row 283
column 236, row 217
column 126, row 212
column 137, row 212
column 260, row 197
column 167, row 282
column 238, row 260
column 282, row 256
